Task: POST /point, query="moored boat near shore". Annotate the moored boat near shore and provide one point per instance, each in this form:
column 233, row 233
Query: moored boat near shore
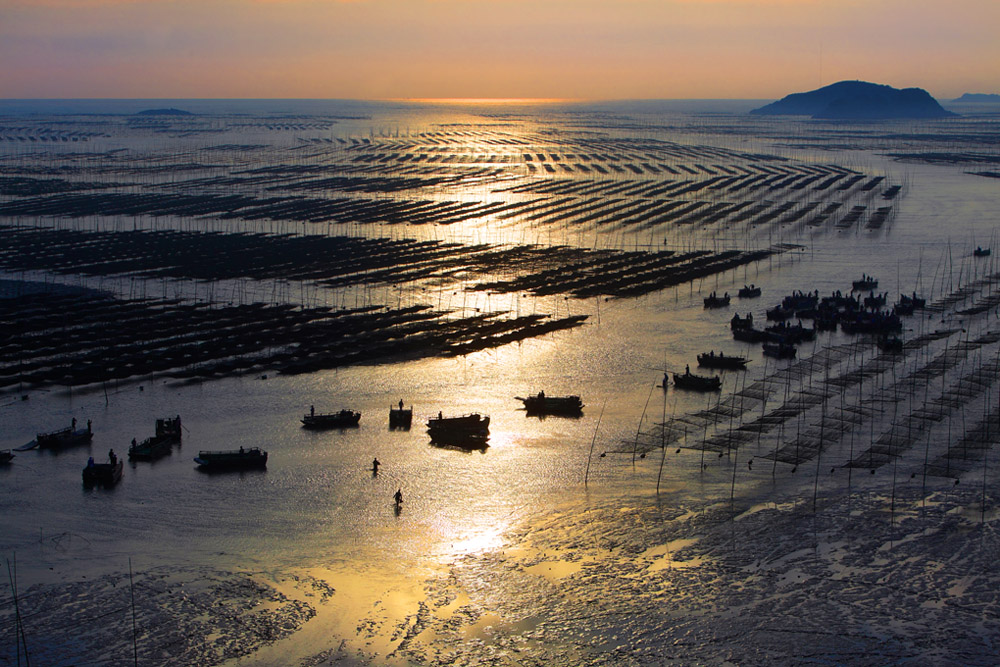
column 232, row 459
column 342, row 419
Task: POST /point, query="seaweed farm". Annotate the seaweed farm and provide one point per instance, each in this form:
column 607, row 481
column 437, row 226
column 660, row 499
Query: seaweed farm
column 784, row 336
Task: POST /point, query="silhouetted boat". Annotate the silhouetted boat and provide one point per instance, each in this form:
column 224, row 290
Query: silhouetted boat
column 232, row 459
column 6, row 456
column 400, row 417
column 540, row 404
column 866, row 283
column 749, row 292
column 689, row 380
column 779, row 350
column 342, row 419
column 149, row 449
column 169, row 428
column 471, row 424
column 981, row 252
column 741, row 322
column 66, row 437
column 103, row 474
column 720, row 360
column 713, row 301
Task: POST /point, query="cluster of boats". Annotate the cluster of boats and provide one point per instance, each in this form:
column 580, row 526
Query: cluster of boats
column 466, row 431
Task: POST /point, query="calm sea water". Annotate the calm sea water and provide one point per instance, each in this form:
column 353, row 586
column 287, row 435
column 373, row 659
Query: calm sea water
column 318, row 504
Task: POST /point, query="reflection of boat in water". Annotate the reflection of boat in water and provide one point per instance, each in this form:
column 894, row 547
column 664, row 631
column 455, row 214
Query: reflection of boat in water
column 467, row 431
column 342, row 419
column 103, row 474
column 66, row 437
column 720, row 360
column 689, row 380
column 169, row 428
column 232, row 459
column 400, row 417
column 540, row 404
column 6, row 456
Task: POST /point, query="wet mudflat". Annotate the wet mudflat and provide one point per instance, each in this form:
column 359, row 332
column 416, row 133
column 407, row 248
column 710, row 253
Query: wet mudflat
column 835, row 507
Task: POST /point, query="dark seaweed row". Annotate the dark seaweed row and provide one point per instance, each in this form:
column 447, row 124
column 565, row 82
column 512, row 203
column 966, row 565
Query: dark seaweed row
column 74, row 340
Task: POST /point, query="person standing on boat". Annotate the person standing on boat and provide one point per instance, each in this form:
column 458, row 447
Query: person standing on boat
column 400, row 404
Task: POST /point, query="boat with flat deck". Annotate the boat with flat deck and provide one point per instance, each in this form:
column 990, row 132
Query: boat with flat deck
column 169, row 428
column 66, row 437
column 342, row 419
column 400, row 417
column 103, row 474
column 540, row 404
column 464, row 432
column 149, row 449
column 232, row 459
column 715, row 301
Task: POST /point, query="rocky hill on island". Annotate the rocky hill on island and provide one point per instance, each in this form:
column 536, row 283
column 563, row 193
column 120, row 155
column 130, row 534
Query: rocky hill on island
column 977, row 98
column 857, row 100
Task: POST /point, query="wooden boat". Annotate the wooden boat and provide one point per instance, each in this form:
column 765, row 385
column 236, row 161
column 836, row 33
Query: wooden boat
column 540, row 404
column 779, row 313
column 750, row 335
column 149, row 449
column 741, row 322
column 6, row 456
column 720, row 360
column 66, row 437
column 103, row 474
column 779, row 350
column 981, row 252
column 713, row 301
column 785, row 333
column 400, row 417
column 342, row 419
column 232, row 459
column 169, row 428
column 865, row 284
column 466, row 432
column 750, row 292
column 689, row 380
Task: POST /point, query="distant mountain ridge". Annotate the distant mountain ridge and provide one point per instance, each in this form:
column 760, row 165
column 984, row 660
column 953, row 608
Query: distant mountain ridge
column 857, row 100
column 978, row 98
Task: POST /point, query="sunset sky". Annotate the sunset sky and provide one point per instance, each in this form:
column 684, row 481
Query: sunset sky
column 577, row 49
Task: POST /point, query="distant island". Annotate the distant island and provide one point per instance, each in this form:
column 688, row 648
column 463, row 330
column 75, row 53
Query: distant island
column 977, row 98
column 164, row 112
column 857, row 100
